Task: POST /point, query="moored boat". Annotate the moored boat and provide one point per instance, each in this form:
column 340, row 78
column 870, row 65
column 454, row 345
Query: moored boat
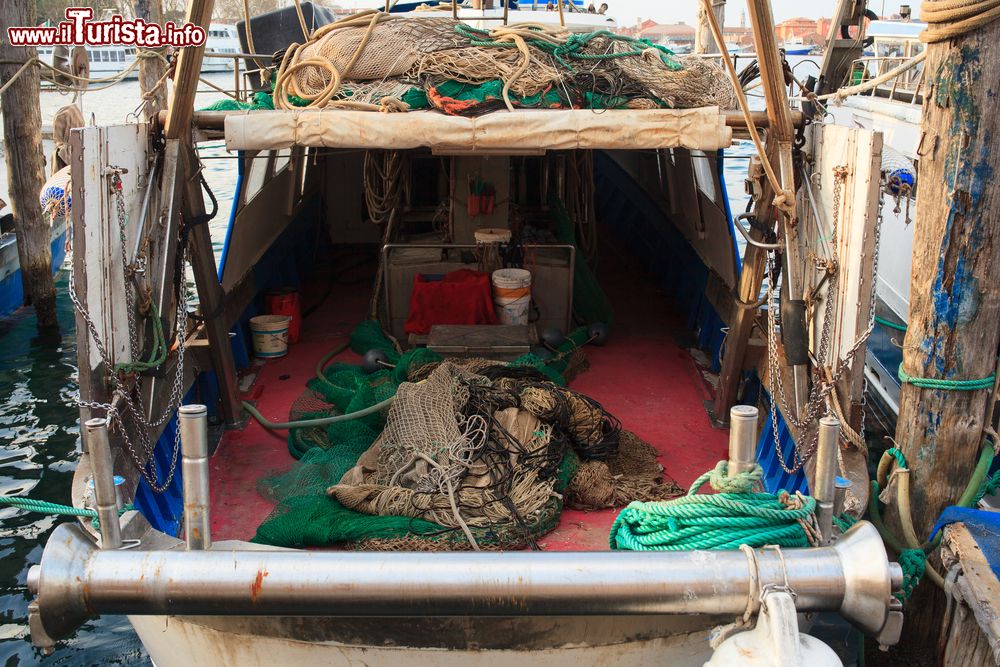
column 602, row 184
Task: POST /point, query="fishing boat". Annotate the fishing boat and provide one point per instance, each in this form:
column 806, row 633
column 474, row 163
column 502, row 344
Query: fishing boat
column 448, row 289
column 11, row 286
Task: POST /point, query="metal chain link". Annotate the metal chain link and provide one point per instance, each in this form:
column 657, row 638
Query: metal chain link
column 821, row 389
column 129, row 396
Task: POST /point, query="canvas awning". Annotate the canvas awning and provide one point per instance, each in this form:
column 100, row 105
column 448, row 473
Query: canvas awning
column 502, row 131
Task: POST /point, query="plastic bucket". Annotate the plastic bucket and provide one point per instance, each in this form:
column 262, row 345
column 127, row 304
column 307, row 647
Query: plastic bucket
column 270, row 335
column 512, row 295
column 285, row 301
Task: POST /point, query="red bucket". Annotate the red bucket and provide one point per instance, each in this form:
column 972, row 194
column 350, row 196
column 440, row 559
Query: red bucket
column 285, row 301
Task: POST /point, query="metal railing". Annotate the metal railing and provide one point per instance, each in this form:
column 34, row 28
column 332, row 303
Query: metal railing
column 906, row 87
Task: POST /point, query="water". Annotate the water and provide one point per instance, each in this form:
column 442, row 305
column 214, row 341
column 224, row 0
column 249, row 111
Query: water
column 39, row 434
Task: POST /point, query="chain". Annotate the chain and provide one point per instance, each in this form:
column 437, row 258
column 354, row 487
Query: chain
column 129, row 397
column 820, row 389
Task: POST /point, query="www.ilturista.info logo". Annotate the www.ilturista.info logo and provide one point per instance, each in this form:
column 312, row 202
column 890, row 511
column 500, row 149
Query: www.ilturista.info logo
column 78, row 29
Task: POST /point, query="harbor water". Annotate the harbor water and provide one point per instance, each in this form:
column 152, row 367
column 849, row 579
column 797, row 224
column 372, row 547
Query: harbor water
column 39, row 433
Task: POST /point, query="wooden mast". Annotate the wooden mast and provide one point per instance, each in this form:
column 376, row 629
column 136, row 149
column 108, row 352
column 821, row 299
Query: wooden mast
column 954, row 319
column 22, row 128
column 780, row 135
column 178, row 128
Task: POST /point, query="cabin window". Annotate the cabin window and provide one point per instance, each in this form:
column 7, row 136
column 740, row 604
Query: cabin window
column 704, row 173
column 281, row 159
column 256, row 174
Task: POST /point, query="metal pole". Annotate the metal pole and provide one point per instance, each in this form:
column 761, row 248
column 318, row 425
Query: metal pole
column 104, row 482
column 194, row 466
column 824, row 489
column 742, row 439
column 75, row 581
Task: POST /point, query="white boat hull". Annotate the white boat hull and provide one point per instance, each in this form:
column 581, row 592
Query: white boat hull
column 544, row 641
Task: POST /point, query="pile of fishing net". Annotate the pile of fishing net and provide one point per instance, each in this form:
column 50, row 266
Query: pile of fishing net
column 379, row 61
column 471, row 453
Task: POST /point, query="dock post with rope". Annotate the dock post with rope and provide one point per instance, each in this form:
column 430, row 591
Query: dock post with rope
column 948, row 374
column 22, row 131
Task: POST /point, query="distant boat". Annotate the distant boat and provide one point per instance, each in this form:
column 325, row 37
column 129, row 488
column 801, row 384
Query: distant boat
column 222, row 38
column 796, row 47
column 107, row 61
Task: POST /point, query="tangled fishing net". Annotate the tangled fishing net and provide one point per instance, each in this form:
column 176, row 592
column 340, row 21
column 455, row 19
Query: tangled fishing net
column 379, row 61
column 472, row 453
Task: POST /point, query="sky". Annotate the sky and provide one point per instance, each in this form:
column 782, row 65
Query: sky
column 671, row 11
column 628, row 12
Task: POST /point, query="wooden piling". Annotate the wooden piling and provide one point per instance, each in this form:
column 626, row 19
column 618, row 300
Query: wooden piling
column 151, row 70
column 954, row 319
column 22, row 127
column 703, row 40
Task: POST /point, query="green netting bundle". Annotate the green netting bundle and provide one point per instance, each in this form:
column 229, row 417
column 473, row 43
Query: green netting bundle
column 306, row 517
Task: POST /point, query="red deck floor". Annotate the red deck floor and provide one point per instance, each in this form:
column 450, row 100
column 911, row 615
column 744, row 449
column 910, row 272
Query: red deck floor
column 641, row 376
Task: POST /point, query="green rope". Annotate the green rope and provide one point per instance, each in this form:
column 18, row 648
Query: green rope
column 890, row 324
column 844, row 522
column 723, row 520
column 45, row 507
column 157, row 355
column 948, row 385
column 898, row 455
column 914, row 564
column 55, row 509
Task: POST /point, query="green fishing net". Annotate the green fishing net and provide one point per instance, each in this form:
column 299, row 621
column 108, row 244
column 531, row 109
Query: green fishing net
column 305, row 516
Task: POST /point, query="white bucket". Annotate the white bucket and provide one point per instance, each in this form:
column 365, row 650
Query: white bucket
column 270, row 335
column 512, row 295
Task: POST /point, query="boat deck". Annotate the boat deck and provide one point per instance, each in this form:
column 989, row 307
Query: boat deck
column 643, row 376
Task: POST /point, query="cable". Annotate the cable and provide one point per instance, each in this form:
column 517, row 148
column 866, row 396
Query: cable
column 310, row 423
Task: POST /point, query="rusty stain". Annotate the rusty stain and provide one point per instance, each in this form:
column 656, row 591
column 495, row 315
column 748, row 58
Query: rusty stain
column 257, row 584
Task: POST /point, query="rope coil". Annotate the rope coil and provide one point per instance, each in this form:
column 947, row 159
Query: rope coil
column 726, row 520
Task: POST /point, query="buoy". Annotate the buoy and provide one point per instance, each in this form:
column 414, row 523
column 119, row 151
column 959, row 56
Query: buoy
column 374, row 361
column 597, row 333
column 552, row 338
column 542, row 353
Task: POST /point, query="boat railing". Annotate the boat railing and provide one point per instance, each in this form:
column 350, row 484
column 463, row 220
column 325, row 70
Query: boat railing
column 906, row 87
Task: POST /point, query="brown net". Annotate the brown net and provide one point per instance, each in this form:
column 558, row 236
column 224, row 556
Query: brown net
column 465, row 70
column 632, row 474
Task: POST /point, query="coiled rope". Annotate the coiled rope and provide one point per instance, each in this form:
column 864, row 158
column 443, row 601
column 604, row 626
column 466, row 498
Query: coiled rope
column 726, row 520
column 947, row 19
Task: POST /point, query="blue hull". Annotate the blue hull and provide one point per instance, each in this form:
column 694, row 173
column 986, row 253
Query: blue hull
column 11, row 287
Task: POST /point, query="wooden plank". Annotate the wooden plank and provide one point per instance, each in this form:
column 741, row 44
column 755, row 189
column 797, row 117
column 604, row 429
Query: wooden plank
column 210, row 293
column 178, row 121
column 974, row 635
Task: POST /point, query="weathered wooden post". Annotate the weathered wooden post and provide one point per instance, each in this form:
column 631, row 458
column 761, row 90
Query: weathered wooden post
column 954, row 319
column 151, row 69
column 703, row 40
column 22, row 129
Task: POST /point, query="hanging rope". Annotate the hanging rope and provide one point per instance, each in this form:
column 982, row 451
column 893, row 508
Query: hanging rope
column 784, row 199
column 726, row 520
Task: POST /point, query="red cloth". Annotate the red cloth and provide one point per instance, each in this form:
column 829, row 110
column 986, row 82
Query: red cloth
column 461, row 297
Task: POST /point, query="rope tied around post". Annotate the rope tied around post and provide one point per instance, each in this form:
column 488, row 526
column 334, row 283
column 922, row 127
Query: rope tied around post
column 947, row 385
